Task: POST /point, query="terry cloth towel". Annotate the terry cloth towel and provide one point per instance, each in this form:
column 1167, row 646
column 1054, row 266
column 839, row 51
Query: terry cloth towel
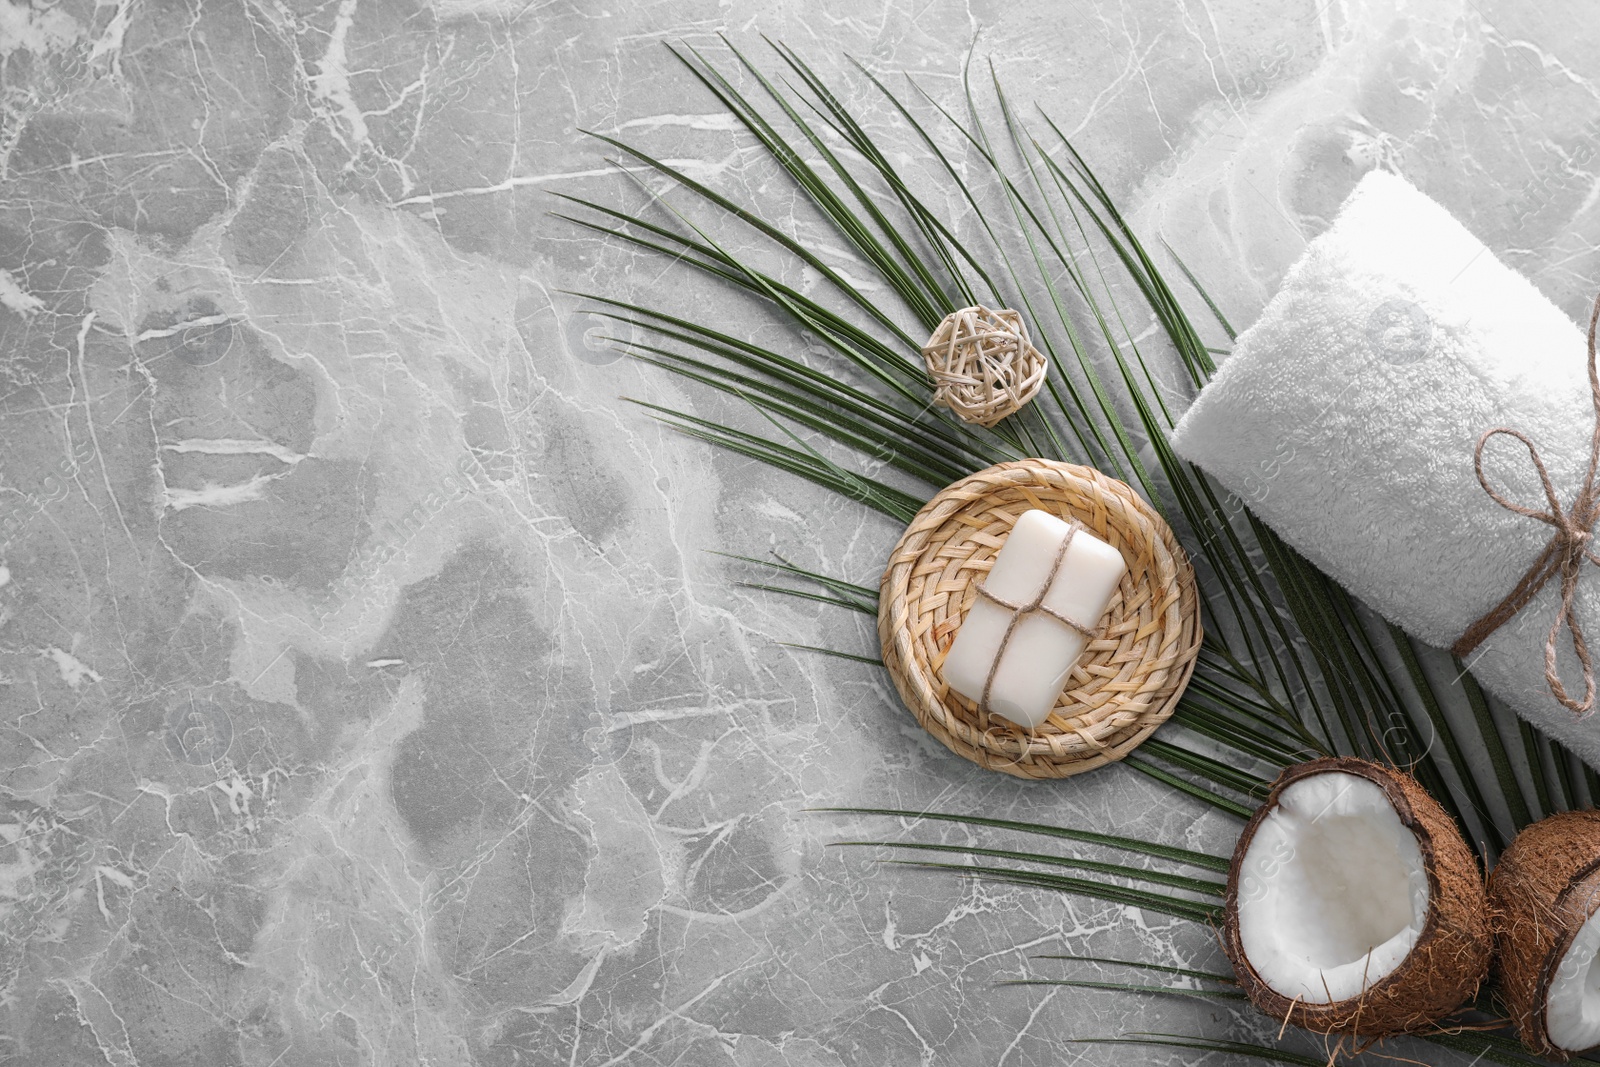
column 1346, row 418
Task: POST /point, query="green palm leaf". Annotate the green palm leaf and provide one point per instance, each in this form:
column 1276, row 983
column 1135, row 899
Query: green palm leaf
column 1292, row 667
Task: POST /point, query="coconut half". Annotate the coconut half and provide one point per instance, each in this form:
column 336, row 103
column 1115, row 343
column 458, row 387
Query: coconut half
column 1544, row 905
column 1353, row 904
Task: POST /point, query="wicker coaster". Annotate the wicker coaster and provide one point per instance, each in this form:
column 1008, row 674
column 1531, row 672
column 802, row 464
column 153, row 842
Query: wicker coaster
column 1127, row 682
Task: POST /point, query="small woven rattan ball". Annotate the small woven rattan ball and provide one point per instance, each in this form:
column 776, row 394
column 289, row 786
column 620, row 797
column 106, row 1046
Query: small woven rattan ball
column 1128, row 680
column 982, row 364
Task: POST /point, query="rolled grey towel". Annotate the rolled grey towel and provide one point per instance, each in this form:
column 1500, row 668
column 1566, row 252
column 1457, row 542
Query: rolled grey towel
column 1347, row 419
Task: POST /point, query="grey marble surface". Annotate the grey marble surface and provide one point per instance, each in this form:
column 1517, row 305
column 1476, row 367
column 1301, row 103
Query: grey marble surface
column 370, row 692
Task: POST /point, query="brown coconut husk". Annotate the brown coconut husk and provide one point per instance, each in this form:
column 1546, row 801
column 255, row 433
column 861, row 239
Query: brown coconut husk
column 1451, row 957
column 1545, row 886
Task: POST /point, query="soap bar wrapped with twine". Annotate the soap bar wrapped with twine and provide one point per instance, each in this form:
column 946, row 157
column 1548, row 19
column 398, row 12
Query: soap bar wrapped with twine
column 1372, row 416
column 1036, row 611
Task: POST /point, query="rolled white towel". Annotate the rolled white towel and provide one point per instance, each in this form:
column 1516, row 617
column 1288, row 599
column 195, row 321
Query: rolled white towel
column 1347, row 418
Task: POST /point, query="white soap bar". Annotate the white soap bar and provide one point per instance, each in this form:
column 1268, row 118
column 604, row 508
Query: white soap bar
column 1037, row 660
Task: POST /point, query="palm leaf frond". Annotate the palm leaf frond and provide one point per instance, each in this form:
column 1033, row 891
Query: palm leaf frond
column 1292, row 667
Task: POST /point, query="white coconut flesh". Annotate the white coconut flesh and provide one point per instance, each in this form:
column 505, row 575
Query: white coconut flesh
column 1332, row 891
column 1572, row 1006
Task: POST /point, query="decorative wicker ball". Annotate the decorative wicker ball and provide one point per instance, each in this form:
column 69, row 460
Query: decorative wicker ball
column 1127, row 681
column 982, row 364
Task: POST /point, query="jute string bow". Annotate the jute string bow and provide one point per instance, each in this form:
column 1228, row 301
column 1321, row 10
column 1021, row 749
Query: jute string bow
column 1036, row 606
column 1565, row 555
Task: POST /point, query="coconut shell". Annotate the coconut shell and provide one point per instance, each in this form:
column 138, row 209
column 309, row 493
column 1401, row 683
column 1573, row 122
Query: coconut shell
column 1451, row 957
column 1544, row 887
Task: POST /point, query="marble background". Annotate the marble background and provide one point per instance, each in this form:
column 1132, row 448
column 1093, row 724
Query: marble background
column 371, row 693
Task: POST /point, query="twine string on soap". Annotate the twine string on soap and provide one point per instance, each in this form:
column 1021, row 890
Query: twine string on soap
column 1036, row 606
column 1565, row 554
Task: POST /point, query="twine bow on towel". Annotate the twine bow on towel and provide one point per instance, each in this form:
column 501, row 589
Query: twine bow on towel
column 1565, row 555
column 1036, row 606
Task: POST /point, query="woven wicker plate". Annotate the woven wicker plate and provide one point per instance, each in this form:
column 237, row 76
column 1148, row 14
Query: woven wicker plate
column 1127, row 682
